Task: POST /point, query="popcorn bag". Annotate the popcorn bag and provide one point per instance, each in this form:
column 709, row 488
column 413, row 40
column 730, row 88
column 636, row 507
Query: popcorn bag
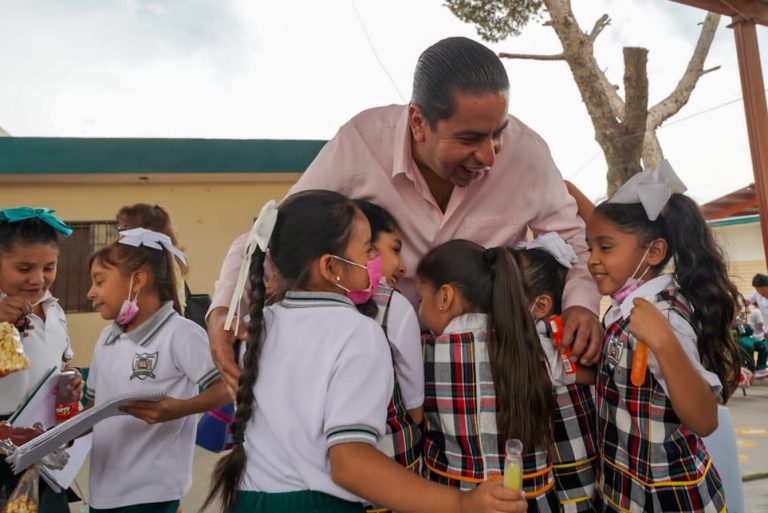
column 12, row 357
column 24, row 497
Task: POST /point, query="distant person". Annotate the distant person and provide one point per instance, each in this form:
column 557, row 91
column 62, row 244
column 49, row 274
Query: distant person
column 451, row 164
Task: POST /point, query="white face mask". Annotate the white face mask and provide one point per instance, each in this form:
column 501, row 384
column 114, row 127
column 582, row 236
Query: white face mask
column 129, row 309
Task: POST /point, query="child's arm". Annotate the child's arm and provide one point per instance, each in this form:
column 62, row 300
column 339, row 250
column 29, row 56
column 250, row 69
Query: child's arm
column 170, row 408
column 368, row 473
column 690, row 395
column 417, row 414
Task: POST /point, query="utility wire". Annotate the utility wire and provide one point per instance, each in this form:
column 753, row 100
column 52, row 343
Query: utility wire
column 375, row 53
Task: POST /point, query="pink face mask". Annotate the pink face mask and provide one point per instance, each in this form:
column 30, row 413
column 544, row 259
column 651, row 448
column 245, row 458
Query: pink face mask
column 129, row 309
column 373, row 267
column 632, row 283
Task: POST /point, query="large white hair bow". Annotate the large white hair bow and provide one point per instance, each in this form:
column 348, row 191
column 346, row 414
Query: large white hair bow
column 553, row 244
column 652, row 189
column 258, row 237
column 142, row 237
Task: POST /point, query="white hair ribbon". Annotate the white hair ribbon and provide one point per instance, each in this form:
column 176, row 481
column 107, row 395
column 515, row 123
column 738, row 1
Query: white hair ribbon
column 553, row 244
column 258, row 237
column 652, row 189
column 142, row 237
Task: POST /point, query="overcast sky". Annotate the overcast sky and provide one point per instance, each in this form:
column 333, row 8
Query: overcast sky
column 298, row 69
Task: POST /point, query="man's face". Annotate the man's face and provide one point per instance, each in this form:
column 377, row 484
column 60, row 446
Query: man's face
column 463, row 147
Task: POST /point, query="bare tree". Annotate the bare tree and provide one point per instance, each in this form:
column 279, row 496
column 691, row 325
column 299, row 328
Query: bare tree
column 625, row 128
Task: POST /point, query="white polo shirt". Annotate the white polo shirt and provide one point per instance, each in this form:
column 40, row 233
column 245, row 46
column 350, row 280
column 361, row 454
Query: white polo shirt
column 325, row 378
column 46, row 346
column 404, row 336
column 133, row 462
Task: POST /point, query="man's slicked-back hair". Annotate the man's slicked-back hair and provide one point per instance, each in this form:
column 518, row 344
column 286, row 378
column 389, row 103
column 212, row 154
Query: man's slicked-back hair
column 454, row 64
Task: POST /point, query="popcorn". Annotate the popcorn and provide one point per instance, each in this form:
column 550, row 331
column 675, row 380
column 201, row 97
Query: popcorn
column 12, row 357
column 21, row 505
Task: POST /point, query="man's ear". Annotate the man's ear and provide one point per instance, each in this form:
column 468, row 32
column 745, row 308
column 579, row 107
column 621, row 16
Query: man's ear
column 417, row 123
column 658, row 252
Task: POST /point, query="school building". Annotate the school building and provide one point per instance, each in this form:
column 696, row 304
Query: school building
column 212, row 188
column 735, row 221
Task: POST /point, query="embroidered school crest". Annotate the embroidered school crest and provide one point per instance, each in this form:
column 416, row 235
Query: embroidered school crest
column 143, row 365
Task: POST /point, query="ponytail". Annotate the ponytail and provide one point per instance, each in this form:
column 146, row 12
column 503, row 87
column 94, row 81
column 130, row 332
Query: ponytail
column 701, row 273
column 490, row 281
column 523, row 389
column 228, row 471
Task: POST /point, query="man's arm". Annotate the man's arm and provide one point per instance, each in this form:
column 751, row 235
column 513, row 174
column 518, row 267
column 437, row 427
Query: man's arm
column 581, row 301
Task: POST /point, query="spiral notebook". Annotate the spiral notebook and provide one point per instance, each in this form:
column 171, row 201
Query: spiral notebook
column 32, row 451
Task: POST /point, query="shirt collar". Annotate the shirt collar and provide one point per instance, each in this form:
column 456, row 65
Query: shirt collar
column 147, row 330
column 647, row 290
column 467, row 322
column 309, row 299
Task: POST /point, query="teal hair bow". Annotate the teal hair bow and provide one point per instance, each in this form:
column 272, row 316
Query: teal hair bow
column 14, row 215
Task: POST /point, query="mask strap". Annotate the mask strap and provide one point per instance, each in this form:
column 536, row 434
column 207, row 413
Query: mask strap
column 648, row 249
column 350, row 262
column 130, row 287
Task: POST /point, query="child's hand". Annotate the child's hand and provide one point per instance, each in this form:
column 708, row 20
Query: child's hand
column 153, row 412
column 14, row 309
column 648, row 325
column 491, row 496
column 76, row 384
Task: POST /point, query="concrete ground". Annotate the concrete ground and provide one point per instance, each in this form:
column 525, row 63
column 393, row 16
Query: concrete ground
column 750, row 419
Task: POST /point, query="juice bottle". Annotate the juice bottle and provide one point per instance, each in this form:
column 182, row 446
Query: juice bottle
column 513, row 465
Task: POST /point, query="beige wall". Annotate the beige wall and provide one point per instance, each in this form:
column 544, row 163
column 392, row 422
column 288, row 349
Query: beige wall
column 206, row 215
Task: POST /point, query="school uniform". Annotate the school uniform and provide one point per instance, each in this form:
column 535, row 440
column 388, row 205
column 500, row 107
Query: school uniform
column 134, row 463
column 325, row 378
column 462, row 446
column 402, row 440
column 573, row 432
column 650, row 461
column 47, row 346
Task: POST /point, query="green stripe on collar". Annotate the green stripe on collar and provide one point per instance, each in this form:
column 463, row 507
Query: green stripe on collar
column 310, row 299
column 144, row 334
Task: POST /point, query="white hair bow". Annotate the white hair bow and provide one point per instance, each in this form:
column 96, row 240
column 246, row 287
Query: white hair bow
column 142, row 237
column 553, row 244
column 258, row 237
column 652, row 189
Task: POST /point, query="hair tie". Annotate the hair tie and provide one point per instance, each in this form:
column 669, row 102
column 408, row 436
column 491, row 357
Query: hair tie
column 652, row 189
column 238, row 438
column 142, row 237
column 491, row 255
column 14, row 215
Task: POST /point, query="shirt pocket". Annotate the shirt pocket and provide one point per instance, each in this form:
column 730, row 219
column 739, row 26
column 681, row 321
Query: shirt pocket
column 492, row 231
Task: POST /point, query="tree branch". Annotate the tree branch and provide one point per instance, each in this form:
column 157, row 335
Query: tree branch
column 532, row 57
column 600, row 24
column 670, row 105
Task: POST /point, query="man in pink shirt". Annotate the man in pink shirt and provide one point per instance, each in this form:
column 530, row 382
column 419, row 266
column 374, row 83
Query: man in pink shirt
column 453, row 164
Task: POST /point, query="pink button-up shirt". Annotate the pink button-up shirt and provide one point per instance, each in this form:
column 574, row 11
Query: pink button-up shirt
column 370, row 158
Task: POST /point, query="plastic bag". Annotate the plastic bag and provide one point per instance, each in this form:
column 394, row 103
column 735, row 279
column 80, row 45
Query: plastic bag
column 12, row 357
column 213, row 431
column 24, row 498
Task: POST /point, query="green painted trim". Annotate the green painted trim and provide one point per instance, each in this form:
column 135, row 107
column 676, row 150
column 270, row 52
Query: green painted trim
column 735, row 220
column 46, row 155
